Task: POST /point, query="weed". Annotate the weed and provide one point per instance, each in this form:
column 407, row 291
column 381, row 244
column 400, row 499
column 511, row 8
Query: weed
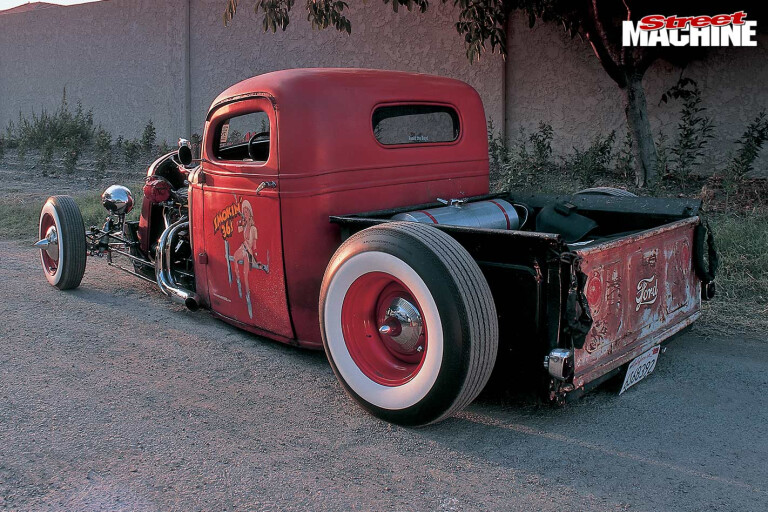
column 626, row 159
column 64, row 129
column 694, row 130
column 9, row 138
column 662, row 152
column 542, row 145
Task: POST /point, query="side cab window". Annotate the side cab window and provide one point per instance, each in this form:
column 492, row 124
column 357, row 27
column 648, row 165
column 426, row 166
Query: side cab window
column 243, row 138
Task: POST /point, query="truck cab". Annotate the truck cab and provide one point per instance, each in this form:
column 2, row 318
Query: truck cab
column 290, row 149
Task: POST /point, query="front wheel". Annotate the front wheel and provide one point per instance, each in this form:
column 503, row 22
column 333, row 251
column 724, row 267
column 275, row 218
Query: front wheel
column 408, row 322
column 62, row 242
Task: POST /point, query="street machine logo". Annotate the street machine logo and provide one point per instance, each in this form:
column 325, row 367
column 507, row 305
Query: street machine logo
column 720, row 30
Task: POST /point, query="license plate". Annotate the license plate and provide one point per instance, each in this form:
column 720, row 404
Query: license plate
column 640, row 367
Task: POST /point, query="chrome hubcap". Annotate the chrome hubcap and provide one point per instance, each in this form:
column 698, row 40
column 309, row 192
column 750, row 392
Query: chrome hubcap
column 403, row 324
column 50, row 244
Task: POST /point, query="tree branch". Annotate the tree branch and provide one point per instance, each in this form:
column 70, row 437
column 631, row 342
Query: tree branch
column 602, row 34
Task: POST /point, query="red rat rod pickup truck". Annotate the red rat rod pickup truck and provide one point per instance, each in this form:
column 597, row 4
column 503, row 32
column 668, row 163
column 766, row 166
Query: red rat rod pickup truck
column 350, row 210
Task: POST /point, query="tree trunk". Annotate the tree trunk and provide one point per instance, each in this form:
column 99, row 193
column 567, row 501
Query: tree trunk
column 643, row 147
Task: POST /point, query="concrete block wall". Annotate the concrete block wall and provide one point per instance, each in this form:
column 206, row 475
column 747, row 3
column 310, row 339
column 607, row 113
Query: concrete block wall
column 122, row 58
column 554, row 79
column 132, row 60
column 127, row 59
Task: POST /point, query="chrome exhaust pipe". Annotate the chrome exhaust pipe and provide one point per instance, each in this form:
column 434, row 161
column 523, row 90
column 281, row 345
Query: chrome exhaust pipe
column 163, row 268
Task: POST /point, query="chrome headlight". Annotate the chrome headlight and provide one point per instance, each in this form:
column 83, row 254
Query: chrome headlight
column 117, row 199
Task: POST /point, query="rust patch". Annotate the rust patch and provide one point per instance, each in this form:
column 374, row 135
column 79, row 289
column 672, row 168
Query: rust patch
column 639, row 287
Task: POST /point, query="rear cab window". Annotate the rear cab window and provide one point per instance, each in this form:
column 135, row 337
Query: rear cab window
column 243, row 138
column 415, row 124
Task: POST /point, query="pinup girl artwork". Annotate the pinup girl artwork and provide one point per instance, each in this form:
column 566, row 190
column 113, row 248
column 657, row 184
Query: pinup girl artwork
column 245, row 255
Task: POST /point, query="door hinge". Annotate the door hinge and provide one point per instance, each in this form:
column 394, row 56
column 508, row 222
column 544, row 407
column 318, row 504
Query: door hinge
column 197, row 177
column 202, row 258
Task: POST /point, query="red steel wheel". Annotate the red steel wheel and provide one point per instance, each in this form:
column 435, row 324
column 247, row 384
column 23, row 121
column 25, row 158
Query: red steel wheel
column 384, row 329
column 51, row 253
column 62, row 242
column 408, row 322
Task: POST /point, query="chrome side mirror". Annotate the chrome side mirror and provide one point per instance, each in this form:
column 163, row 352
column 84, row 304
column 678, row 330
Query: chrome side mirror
column 185, row 152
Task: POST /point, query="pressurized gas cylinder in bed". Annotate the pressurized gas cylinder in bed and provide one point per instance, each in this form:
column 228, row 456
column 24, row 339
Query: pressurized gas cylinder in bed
column 492, row 214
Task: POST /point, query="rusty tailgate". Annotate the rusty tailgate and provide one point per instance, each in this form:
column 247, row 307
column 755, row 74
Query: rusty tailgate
column 641, row 289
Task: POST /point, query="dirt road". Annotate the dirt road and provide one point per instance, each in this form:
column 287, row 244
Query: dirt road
column 112, row 398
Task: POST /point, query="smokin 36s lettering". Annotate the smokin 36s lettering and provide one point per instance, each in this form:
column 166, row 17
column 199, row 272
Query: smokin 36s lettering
column 720, row 30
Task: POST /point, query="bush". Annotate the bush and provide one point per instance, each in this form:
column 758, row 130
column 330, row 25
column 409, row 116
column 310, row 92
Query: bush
column 132, row 150
column 148, row 137
column 62, row 130
column 523, row 162
column 750, row 143
column 586, row 165
column 103, row 145
column 46, row 156
column 72, row 149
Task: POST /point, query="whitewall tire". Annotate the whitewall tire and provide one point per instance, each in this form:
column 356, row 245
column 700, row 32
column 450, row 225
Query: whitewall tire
column 408, row 322
column 62, row 242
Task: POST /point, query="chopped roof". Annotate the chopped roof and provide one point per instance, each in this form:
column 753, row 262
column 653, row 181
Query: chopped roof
column 334, row 82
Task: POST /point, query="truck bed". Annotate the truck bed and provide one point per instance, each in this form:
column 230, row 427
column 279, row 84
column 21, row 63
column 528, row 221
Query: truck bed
column 632, row 279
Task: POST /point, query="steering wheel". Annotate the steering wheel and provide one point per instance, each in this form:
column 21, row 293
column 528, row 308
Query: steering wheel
column 251, row 149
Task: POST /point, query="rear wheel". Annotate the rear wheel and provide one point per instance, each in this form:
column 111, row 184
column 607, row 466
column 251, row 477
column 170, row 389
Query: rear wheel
column 408, row 322
column 62, row 242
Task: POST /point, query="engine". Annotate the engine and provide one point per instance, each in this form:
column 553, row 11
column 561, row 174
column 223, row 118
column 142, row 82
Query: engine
column 163, row 230
column 159, row 243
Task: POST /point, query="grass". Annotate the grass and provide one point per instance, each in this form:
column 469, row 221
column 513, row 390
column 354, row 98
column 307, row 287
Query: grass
column 741, row 303
column 19, row 217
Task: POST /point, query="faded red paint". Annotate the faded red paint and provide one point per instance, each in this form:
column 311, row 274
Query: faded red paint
column 641, row 289
column 326, row 161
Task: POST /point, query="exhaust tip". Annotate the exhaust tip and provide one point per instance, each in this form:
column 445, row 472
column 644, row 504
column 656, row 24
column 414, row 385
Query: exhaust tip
column 708, row 290
column 192, row 304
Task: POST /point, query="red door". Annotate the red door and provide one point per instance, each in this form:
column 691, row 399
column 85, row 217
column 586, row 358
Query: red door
column 243, row 242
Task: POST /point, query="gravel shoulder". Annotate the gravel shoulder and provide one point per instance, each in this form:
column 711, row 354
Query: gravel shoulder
column 113, row 398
